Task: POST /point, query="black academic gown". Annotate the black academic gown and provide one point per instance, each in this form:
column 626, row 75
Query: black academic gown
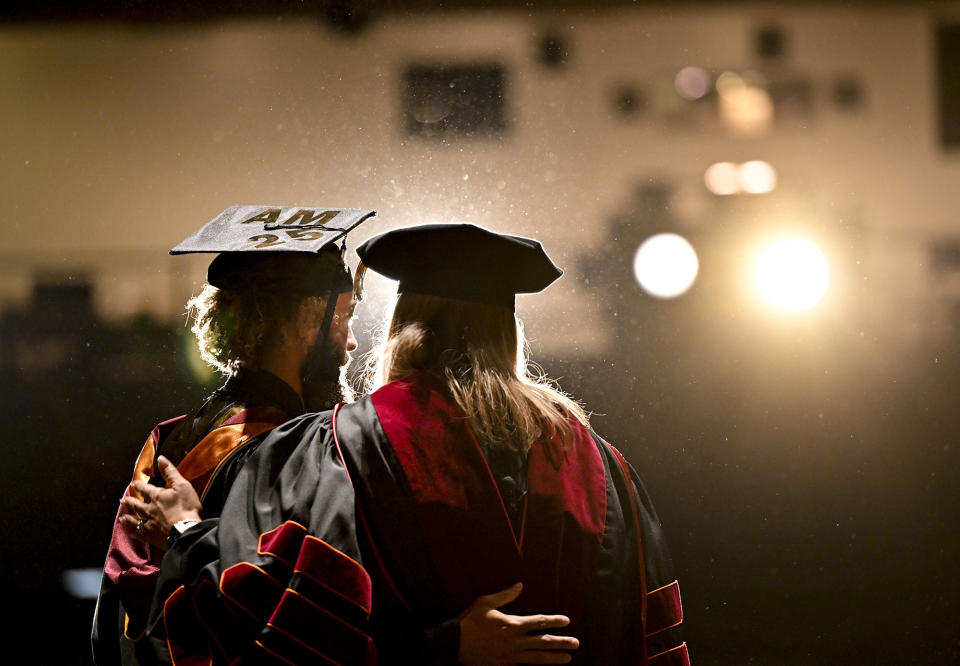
column 248, row 404
column 355, row 536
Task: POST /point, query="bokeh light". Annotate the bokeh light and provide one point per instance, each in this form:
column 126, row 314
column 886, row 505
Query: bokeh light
column 82, row 583
column 666, row 265
column 757, row 177
column 753, row 177
column 729, row 83
column 745, row 105
column 692, row 83
column 722, row 178
column 198, row 368
column 793, row 274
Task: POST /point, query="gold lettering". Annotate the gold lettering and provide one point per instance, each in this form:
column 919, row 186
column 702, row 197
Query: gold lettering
column 268, row 216
column 306, row 216
column 304, row 234
column 269, row 240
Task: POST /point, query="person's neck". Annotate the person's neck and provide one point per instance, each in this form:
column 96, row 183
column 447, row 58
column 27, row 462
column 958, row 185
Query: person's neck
column 286, row 366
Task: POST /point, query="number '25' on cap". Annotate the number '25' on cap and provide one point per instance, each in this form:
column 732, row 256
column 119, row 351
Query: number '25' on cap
column 282, row 247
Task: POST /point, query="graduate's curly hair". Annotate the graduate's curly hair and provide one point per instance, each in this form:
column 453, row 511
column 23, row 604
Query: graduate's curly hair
column 234, row 327
column 480, row 352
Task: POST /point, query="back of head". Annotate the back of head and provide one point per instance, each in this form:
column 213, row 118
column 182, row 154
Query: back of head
column 479, row 352
column 271, row 262
column 250, row 300
column 454, row 317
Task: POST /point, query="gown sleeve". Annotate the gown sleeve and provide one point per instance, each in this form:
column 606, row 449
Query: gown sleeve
column 276, row 576
column 634, row 555
column 130, row 573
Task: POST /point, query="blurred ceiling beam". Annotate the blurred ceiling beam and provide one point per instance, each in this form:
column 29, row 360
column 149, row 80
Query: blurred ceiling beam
column 346, row 15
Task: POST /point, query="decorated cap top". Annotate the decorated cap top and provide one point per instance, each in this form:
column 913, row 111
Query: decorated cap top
column 273, row 229
column 290, row 248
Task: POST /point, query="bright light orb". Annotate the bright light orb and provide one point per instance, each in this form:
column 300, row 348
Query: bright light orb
column 722, row 178
column 757, row 177
column 793, row 274
column 666, row 265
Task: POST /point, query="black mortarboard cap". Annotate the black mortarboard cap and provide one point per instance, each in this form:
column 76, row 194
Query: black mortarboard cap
column 284, row 247
column 461, row 261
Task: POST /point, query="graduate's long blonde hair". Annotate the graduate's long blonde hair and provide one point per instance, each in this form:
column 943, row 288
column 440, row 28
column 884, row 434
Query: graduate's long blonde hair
column 480, row 353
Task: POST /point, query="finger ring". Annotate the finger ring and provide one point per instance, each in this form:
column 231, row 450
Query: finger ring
column 140, row 526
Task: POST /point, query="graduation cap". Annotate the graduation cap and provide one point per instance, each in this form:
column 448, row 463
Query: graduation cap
column 284, row 247
column 461, row 261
